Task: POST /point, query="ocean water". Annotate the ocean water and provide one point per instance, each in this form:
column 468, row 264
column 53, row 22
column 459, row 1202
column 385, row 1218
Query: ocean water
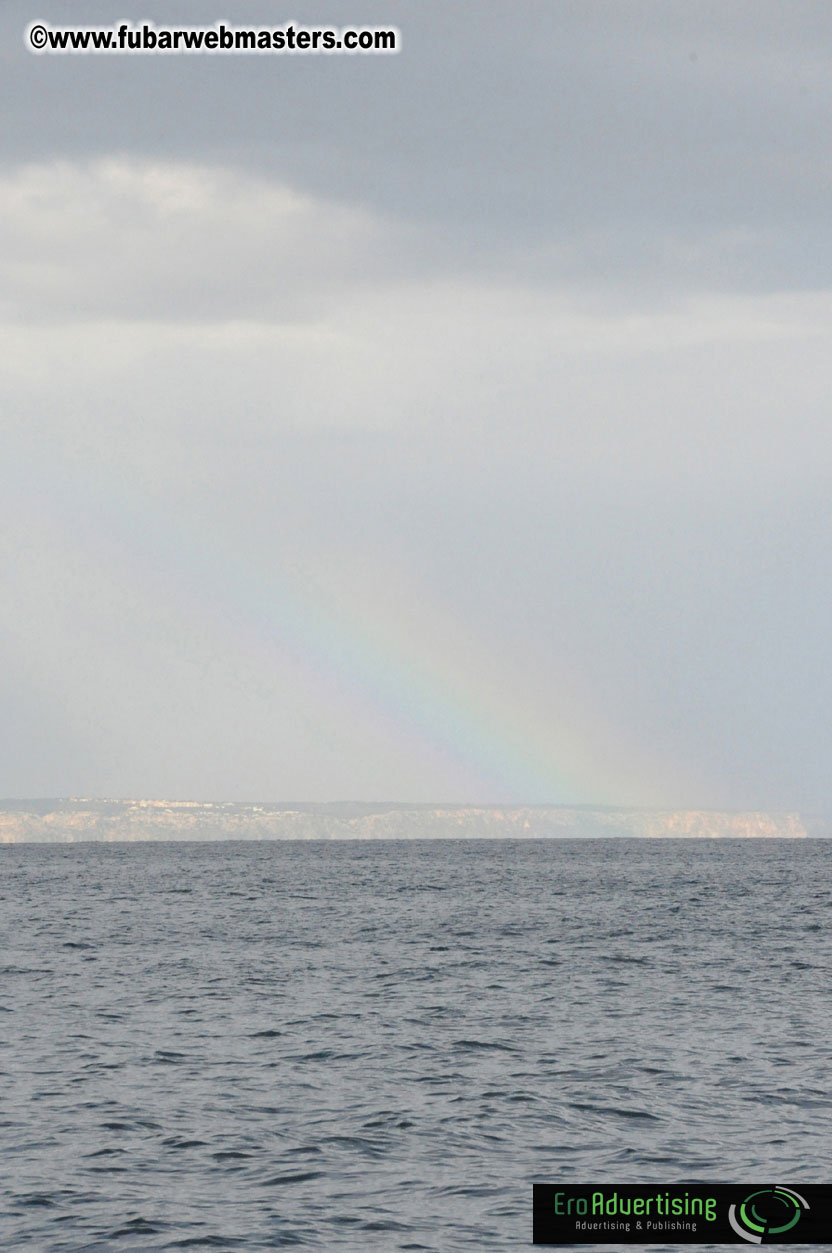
column 379, row 1046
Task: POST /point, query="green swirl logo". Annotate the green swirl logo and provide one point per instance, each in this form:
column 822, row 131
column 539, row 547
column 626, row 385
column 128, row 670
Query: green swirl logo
column 764, row 1216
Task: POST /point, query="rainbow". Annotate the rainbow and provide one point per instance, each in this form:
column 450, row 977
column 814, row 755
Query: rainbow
column 368, row 640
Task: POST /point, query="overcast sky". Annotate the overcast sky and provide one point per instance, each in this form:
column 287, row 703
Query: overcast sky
column 452, row 425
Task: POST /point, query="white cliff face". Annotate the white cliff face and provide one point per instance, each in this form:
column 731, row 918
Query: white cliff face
column 70, row 821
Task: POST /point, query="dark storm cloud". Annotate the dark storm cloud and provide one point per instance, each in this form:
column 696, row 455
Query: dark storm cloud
column 603, row 143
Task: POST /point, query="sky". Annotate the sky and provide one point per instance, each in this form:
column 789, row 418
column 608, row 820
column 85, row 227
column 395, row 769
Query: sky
column 447, row 426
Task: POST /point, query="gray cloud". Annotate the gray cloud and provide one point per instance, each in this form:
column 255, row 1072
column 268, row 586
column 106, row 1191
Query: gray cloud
column 611, row 142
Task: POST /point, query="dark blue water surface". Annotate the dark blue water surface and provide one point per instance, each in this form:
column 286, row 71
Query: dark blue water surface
column 381, row 1045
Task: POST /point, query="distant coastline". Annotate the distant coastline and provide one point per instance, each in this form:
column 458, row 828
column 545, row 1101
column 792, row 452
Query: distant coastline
column 78, row 819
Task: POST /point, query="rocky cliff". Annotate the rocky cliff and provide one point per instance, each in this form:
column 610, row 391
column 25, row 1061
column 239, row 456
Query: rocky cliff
column 70, row 821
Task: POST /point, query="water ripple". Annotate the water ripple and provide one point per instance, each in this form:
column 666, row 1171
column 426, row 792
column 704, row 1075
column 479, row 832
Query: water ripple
column 379, row 1046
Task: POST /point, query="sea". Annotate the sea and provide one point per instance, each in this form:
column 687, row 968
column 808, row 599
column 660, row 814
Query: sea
column 356, row 1045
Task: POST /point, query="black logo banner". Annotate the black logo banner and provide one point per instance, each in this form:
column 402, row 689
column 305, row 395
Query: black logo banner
column 682, row 1213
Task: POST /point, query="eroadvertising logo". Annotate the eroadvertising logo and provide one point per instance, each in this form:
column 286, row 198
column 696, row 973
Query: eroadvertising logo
column 767, row 1214
column 682, row 1213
